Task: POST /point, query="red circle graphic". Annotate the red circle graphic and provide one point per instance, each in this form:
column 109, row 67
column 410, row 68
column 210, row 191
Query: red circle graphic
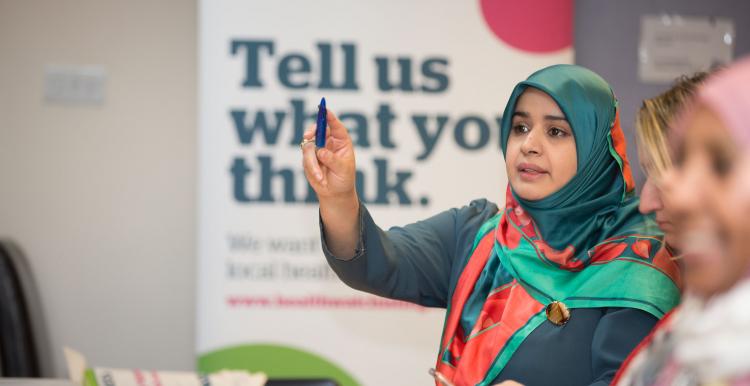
column 538, row 26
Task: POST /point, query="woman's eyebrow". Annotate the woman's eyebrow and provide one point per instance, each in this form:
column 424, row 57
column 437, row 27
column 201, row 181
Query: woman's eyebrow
column 525, row 114
column 555, row 118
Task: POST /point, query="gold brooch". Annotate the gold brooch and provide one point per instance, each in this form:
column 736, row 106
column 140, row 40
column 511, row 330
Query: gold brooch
column 557, row 313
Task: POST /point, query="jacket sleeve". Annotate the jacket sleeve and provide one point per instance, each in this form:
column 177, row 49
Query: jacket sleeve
column 414, row 262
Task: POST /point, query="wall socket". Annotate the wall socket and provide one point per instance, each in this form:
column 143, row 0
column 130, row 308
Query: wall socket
column 79, row 85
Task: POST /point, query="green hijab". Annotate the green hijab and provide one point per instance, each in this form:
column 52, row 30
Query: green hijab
column 599, row 201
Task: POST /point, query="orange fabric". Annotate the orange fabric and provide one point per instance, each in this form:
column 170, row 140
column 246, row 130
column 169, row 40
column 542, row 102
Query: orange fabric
column 618, row 142
column 466, row 284
column 664, row 261
column 505, row 311
column 508, row 311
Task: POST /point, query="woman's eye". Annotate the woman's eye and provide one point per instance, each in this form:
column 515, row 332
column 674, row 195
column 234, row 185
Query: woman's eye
column 721, row 164
column 520, row 128
column 721, row 159
column 555, row 132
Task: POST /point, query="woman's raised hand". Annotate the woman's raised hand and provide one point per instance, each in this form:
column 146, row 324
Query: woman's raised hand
column 330, row 170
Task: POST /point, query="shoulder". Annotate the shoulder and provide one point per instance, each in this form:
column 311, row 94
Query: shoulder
column 483, row 203
column 476, row 214
column 480, row 206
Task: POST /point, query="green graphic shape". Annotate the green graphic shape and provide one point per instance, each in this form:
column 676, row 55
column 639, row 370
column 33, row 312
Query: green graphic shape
column 274, row 360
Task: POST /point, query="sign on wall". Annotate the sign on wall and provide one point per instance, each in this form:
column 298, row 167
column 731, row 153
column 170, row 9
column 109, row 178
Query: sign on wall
column 673, row 45
column 421, row 88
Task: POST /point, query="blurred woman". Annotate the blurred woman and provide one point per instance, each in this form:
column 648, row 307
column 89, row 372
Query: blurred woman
column 707, row 339
column 652, row 128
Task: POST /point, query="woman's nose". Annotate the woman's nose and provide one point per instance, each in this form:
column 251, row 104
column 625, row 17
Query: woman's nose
column 650, row 197
column 531, row 143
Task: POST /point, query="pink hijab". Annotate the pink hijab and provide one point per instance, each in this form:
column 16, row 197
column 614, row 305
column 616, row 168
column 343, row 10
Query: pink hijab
column 728, row 94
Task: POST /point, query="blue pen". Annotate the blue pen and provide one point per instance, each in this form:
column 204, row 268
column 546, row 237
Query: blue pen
column 320, row 130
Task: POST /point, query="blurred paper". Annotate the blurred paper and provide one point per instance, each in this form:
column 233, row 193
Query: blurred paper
column 673, row 45
column 81, row 374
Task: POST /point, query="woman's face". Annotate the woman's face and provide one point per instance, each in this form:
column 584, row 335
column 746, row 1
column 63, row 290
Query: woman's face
column 707, row 199
column 540, row 157
column 651, row 200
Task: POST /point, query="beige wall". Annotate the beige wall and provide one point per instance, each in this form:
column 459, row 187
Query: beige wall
column 102, row 198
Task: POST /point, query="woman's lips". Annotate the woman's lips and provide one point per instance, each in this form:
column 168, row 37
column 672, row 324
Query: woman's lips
column 701, row 247
column 530, row 172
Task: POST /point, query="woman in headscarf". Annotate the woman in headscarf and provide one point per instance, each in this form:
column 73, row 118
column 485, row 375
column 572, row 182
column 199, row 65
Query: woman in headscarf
column 555, row 288
column 706, row 340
